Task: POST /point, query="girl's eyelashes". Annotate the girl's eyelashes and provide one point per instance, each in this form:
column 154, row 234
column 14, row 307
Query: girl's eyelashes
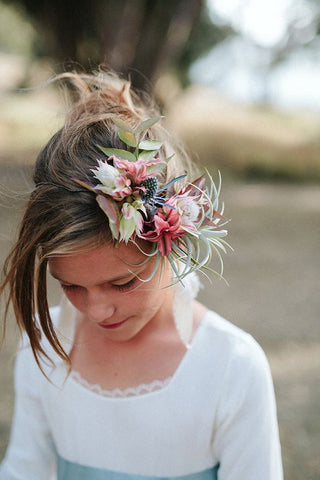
column 125, row 286
column 68, row 287
column 122, row 287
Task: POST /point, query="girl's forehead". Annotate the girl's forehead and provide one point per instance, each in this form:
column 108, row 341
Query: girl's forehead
column 107, row 261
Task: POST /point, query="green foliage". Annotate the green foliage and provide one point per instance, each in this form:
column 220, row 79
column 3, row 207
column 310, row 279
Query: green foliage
column 147, row 124
column 123, row 154
column 144, row 149
column 150, row 145
column 128, row 138
column 147, row 154
column 123, row 125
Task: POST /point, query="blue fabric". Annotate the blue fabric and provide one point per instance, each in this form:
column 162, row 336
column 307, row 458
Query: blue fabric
column 74, row 471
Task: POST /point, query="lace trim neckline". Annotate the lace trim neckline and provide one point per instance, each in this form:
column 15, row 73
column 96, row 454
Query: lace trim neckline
column 141, row 389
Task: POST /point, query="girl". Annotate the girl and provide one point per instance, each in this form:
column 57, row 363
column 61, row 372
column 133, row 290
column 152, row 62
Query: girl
column 130, row 376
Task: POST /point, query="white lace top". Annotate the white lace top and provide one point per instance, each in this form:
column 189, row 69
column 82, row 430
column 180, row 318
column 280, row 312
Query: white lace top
column 214, row 418
column 117, row 392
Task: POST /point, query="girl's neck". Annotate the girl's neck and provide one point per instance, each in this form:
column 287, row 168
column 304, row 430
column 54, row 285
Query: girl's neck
column 153, row 355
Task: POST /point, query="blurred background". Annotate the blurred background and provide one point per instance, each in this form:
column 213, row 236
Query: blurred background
column 238, row 81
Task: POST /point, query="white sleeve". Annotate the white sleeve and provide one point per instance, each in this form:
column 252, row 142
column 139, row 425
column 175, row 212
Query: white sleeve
column 30, row 455
column 246, row 437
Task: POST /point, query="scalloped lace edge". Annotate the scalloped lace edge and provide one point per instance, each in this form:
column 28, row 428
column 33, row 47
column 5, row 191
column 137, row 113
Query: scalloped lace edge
column 141, row 389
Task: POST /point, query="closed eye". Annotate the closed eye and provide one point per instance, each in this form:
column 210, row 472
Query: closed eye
column 125, row 286
column 68, row 287
column 120, row 287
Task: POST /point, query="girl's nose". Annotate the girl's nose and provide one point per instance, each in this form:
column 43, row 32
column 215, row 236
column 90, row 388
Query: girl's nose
column 99, row 307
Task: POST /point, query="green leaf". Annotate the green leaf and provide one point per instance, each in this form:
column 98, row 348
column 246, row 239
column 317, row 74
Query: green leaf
column 117, row 152
column 156, row 168
column 128, row 138
column 148, row 154
column 123, row 125
column 147, row 124
column 150, row 145
column 169, row 158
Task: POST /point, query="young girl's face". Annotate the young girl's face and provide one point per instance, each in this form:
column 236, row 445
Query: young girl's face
column 102, row 286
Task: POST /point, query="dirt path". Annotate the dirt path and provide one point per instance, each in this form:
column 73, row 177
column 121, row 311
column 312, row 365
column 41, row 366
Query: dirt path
column 274, row 294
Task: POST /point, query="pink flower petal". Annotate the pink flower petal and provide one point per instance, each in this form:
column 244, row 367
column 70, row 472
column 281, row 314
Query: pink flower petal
column 109, row 208
column 168, row 243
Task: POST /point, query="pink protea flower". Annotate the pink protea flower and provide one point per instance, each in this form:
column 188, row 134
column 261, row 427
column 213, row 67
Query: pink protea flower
column 195, row 207
column 139, row 170
column 112, row 181
column 167, row 227
column 189, row 212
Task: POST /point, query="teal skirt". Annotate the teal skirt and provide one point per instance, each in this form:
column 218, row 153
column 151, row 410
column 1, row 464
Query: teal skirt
column 73, row 471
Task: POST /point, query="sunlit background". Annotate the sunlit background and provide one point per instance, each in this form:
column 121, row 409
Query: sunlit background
column 273, row 56
column 238, row 81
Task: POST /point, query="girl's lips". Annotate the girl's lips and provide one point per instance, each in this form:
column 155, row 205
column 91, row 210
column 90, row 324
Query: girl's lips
column 110, row 326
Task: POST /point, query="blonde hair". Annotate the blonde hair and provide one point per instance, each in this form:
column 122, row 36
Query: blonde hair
column 61, row 218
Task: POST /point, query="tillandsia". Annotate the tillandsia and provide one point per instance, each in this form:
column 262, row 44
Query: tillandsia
column 181, row 219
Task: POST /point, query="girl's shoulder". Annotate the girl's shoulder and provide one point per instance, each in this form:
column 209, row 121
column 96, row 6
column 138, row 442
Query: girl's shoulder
column 214, row 323
column 221, row 338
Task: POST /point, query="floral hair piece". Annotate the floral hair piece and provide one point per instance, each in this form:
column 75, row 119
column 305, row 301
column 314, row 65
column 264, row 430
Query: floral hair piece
column 180, row 218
